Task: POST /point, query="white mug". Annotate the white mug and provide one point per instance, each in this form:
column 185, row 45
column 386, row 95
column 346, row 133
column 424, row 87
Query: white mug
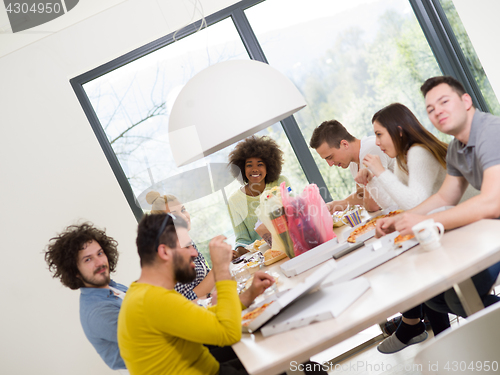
column 429, row 234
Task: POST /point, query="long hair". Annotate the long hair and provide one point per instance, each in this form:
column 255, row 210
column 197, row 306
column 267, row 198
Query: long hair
column 406, row 131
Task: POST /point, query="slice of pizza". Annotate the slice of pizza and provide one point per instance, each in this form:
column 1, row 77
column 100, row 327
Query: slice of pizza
column 361, row 230
column 369, row 226
column 401, row 238
column 250, row 316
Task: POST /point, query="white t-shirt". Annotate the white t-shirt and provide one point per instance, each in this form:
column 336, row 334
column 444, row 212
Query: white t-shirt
column 117, row 292
column 368, row 146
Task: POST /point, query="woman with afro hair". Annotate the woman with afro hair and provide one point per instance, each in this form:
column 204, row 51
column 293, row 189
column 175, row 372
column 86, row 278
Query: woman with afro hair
column 256, row 162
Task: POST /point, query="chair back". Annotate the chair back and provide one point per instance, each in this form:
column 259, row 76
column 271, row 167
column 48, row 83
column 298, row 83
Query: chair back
column 471, row 348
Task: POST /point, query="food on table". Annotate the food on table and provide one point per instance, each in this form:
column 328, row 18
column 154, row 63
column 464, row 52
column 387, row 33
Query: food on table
column 248, row 317
column 401, row 238
column 248, row 283
column 369, row 226
column 251, row 264
column 269, row 254
column 250, row 280
column 337, row 221
column 272, row 256
column 257, row 244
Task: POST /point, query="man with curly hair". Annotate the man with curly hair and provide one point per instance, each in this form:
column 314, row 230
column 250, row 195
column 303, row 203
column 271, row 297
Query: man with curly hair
column 339, row 148
column 83, row 257
column 256, row 162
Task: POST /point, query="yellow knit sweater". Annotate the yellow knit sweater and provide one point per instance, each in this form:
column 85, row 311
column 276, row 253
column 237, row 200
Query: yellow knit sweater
column 160, row 332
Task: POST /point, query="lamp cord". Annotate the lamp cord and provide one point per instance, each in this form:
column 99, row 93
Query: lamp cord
column 202, row 13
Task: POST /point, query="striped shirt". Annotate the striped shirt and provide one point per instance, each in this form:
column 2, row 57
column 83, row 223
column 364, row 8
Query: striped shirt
column 201, row 268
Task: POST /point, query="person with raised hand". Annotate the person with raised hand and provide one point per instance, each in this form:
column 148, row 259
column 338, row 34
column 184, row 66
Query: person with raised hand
column 339, row 148
column 420, row 157
column 162, row 332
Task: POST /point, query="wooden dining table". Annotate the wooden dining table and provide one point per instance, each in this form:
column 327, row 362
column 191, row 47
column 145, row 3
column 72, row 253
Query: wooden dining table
column 397, row 285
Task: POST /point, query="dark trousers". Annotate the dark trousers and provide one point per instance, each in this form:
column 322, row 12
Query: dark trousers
column 439, row 320
column 231, row 365
column 448, row 302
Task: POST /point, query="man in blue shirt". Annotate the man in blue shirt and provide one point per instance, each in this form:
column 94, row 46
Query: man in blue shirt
column 83, row 257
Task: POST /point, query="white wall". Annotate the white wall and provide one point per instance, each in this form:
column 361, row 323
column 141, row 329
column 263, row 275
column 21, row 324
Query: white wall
column 53, row 173
column 480, row 19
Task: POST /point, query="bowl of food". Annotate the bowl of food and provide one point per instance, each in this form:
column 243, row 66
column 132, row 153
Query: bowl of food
column 337, row 219
column 255, row 263
column 250, row 263
column 253, row 247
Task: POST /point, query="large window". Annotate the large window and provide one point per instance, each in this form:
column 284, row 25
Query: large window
column 471, row 58
column 348, row 58
column 133, row 104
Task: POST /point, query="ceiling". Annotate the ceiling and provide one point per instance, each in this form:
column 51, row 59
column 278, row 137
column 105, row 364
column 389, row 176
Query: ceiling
column 10, row 42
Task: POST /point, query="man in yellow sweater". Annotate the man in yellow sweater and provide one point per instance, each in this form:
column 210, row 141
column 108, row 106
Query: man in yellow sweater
column 159, row 330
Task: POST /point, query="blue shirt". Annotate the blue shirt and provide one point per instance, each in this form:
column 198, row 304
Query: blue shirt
column 99, row 308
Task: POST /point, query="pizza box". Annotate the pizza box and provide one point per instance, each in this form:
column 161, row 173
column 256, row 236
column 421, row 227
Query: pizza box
column 370, row 233
column 368, row 257
column 326, row 303
column 312, row 258
column 282, row 300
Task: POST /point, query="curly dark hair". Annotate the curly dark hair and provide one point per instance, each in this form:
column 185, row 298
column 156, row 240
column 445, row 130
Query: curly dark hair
column 61, row 253
column 264, row 148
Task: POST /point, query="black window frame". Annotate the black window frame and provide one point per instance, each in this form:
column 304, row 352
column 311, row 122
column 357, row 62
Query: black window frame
column 429, row 13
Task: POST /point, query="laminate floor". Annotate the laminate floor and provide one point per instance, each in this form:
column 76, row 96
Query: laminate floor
column 369, row 361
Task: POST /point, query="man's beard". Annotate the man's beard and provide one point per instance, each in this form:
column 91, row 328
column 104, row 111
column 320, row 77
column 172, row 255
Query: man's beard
column 183, row 272
column 96, row 283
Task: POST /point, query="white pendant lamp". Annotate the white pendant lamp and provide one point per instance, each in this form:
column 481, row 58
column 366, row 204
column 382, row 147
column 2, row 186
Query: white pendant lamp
column 225, row 103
